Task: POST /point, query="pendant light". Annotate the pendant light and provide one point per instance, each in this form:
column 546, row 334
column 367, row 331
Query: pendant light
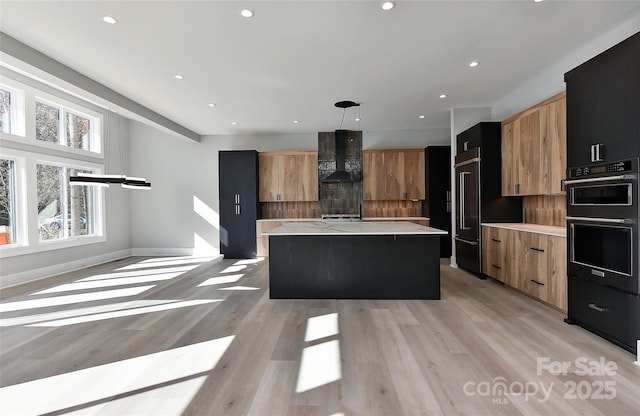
column 104, row 180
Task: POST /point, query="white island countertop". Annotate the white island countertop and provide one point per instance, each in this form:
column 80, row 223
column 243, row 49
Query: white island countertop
column 354, row 228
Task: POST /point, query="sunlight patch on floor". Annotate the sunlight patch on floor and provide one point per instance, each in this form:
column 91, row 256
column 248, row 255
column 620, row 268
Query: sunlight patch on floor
column 87, row 386
column 321, row 327
column 239, row 288
column 95, row 284
column 32, row 319
column 234, row 269
column 231, row 278
column 131, row 273
column 126, row 312
column 320, row 365
column 67, row 299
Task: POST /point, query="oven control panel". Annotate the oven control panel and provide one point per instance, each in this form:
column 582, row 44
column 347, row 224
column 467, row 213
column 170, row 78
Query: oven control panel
column 605, row 168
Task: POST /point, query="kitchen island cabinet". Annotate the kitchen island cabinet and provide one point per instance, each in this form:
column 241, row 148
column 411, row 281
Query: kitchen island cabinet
column 354, row 260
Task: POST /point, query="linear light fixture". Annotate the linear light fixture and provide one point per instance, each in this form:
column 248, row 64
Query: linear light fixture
column 97, row 179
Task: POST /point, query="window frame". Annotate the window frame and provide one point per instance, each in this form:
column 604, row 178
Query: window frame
column 26, row 151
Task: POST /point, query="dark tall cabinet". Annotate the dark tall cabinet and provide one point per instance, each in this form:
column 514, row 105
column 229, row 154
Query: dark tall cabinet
column 437, row 205
column 603, row 106
column 238, row 176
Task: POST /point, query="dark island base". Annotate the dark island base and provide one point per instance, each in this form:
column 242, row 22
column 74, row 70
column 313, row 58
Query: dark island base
column 354, row 267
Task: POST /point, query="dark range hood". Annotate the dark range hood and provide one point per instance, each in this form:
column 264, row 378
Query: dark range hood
column 340, row 175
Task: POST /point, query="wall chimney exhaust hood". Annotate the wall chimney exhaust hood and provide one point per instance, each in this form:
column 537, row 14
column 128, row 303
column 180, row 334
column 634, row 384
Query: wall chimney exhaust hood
column 340, row 175
column 341, row 143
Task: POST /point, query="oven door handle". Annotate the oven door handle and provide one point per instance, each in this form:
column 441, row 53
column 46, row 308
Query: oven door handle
column 602, row 220
column 602, row 179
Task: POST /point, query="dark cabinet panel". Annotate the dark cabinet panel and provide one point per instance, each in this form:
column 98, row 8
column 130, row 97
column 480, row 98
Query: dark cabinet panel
column 612, row 314
column 238, row 176
column 437, row 203
column 603, row 105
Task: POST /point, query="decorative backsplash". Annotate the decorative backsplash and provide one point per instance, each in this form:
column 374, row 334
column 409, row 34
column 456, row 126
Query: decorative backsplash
column 340, row 197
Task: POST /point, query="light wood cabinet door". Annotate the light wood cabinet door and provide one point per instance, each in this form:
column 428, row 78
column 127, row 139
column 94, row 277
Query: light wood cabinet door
column 557, row 144
column 268, row 178
column 394, row 175
column 414, row 175
column 373, row 181
column 288, row 177
column 510, row 157
column 307, row 167
column 531, row 177
column 496, row 259
column 557, row 277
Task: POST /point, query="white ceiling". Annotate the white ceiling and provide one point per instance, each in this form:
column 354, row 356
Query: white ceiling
column 294, row 59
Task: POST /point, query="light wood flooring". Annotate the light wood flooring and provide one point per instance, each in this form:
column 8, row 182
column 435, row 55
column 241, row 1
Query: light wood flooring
column 153, row 336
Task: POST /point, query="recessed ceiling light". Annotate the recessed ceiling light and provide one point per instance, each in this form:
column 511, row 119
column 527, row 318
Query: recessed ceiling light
column 178, row 76
column 443, row 95
column 474, row 64
column 538, row 1
column 109, row 19
column 212, row 105
column 246, row 13
column 295, row 122
column 235, row 123
column 388, row 5
column 357, row 119
column 420, row 116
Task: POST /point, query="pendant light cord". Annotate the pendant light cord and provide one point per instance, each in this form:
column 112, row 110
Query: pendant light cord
column 342, row 121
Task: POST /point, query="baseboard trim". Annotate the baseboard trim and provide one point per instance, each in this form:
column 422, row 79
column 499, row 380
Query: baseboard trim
column 44, row 272
column 165, row 251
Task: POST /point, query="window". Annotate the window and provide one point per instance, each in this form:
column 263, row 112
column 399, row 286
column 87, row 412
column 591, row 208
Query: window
column 56, row 124
column 7, row 202
column 46, row 137
column 5, row 110
column 63, row 211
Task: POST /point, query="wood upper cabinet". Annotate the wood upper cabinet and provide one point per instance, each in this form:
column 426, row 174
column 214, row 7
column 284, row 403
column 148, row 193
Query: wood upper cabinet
column 393, row 174
column 534, row 149
column 288, row 176
column 307, row 167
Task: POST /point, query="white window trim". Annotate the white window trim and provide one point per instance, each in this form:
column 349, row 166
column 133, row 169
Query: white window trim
column 28, row 240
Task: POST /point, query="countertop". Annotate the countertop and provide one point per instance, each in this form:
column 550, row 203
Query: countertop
column 363, row 219
column 533, row 228
column 354, row 228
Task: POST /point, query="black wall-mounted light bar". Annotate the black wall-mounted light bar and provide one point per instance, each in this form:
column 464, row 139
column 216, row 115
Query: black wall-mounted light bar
column 97, row 179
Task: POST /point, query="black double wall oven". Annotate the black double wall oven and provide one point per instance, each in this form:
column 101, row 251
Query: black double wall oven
column 602, row 224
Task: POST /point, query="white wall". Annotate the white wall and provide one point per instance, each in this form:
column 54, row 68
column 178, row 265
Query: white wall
column 179, row 214
column 551, row 81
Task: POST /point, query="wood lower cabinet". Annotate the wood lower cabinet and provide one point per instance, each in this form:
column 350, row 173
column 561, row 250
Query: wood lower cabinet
column 497, row 254
column 531, row 262
column 288, row 176
column 393, row 175
column 534, row 153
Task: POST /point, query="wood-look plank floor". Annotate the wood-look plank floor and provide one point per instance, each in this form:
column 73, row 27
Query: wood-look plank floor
column 153, row 336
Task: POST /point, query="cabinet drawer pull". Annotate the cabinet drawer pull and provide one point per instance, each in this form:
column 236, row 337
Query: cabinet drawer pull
column 597, row 308
column 496, row 240
column 496, row 267
column 538, row 283
column 537, row 249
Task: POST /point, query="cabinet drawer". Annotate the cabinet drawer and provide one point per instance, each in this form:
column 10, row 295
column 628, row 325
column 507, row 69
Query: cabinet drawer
column 607, row 312
column 532, row 249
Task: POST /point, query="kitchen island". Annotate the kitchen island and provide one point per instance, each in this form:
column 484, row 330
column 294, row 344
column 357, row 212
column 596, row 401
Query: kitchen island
column 354, row 260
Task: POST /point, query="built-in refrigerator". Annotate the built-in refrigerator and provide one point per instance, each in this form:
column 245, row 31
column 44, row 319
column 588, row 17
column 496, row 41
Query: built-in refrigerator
column 478, row 184
column 238, row 187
